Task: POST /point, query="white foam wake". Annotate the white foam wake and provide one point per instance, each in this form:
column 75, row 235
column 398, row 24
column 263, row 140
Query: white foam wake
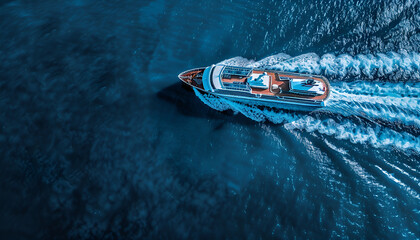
column 395, row 106
column 400, row 102
column 379, row 88
column 377, row 137
column 212, row 101
column 368, row 110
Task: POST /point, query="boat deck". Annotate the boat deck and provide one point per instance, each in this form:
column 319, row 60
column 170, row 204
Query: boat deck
column 283, row 85
column 189, row 77
column 236, row 79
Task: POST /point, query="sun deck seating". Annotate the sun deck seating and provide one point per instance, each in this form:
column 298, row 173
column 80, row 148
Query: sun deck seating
column 261, row 81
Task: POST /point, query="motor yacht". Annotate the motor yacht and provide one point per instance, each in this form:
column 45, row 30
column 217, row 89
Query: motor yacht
column 259, row 86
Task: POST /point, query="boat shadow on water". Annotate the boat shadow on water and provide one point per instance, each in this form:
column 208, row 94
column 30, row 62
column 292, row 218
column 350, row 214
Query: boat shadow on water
column 188, row 104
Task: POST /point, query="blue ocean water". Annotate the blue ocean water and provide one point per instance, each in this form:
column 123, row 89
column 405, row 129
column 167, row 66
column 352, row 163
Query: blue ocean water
column 100, row 140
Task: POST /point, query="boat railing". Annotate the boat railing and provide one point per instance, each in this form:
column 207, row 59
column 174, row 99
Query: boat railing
column 190, row 70
column 251, row 96
column 298, row 99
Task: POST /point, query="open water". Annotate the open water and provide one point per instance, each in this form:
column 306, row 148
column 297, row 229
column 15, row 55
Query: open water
column 100, row 140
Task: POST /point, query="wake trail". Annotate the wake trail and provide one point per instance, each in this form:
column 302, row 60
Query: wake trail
column 400, row 102
column 379, row 89
column 387, row 101
column 404, row 110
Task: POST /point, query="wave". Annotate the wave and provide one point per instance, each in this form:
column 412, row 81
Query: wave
column 402, row 185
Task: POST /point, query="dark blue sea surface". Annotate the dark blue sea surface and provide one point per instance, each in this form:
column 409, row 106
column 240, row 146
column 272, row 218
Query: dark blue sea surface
column 100, row 140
